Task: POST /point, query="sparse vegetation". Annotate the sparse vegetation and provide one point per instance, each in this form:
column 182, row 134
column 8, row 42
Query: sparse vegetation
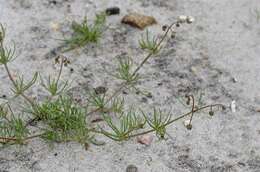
column 61, row 119
column 257, row 14
column 84, row 32
column 149, row 44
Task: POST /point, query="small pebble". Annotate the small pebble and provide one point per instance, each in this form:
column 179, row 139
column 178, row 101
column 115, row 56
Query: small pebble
column 144, row 100
column 124, row 92
column 234, row 79
column 53, row 2
column 145, row 139
column 55, row 26
column 138, row 20
column 100, row 90
column 131, row 168
column 233, row 106
column 149, row 95
column 112, row 11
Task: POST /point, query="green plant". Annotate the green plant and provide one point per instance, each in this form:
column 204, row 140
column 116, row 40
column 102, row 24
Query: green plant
column 62, row 119
column 257, row 14
column 149, row 44
column 84, row 33
column 125, row 71
column 11, row 126
column 53, row 86
column 158, row 122
column 128, row 123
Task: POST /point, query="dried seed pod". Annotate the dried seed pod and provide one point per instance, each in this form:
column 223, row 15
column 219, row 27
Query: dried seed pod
column 187, row 124
column 57, row 60
column 188, row 100
column 211, row 113
column 164, row 27
column 173, row 35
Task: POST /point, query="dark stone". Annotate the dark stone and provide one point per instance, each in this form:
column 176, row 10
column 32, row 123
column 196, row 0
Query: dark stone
column 100, row 90
column 131, row 168
column 144, row 100
column 112, row 11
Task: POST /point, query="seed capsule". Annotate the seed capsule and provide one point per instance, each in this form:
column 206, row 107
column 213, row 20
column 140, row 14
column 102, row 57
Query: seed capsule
column 190, row 19
column 211, row 113
column 164, row 27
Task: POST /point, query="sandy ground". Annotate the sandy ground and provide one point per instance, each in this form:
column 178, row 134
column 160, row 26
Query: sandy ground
column 221, row 47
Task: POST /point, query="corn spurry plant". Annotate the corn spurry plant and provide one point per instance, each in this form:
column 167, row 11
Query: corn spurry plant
column 53, row 85
column 128, row 123
column 149, row 43
column 84, row 33
column 61, row 119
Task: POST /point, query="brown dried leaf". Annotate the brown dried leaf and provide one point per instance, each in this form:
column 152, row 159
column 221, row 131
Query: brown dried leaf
column 138, row 20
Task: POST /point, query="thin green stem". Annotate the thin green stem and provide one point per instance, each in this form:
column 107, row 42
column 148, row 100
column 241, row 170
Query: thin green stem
column 14, row 84
column 176, row 119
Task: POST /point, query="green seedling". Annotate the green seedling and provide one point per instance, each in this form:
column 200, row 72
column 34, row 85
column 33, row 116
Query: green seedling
column 20, row 86
column 149, row 44
column 128, row 123
column 84, row 33
column 6, row 54
column 53, row 86
column 158, row 122
column 11, row 126
column 125, row 71
column 65, row 121
column 97, row 100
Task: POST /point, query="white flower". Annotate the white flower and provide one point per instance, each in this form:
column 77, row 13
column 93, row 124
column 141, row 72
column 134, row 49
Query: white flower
column 182, row 18
column 190, row 19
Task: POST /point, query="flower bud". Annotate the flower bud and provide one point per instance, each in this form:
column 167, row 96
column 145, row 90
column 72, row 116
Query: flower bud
column 182, row 19
column 190, row 19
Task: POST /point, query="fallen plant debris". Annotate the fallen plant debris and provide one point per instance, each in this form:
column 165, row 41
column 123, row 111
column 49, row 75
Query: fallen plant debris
column 62, row 119
column 138, row 20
